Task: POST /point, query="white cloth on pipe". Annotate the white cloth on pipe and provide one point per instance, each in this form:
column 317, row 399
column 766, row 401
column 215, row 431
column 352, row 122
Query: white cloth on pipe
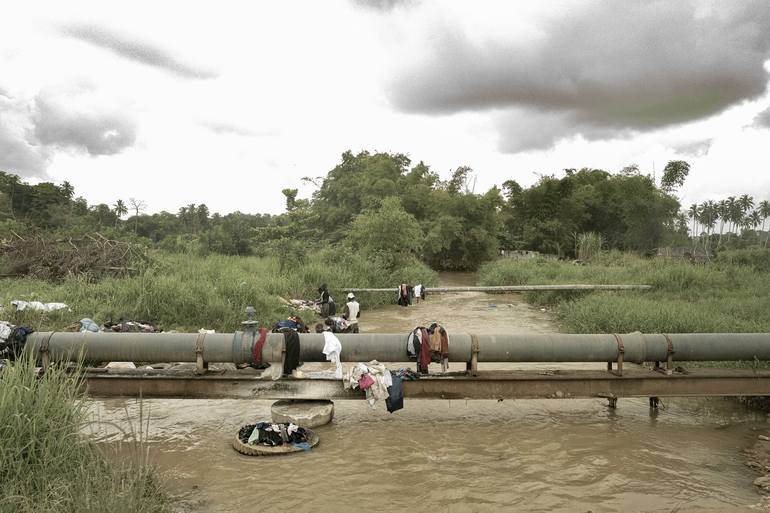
column 332, row 349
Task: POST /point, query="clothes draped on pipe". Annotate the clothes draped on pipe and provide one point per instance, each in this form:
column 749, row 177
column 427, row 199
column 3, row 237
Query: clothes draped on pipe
column 395, row 400
column 332, row 349
column 371, row 377
column 404, row 294
column 428, row 344
column 291, row 360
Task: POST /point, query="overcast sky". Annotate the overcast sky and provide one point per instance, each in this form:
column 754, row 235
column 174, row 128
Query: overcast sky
column 228, row 103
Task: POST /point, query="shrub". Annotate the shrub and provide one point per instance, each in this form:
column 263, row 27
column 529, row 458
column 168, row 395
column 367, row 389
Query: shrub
column 758, row 259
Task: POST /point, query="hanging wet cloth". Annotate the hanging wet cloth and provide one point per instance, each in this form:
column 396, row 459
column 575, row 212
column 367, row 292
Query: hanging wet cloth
column 291, row 360
column 424, row 352
column 256, row 355
column 395, row 400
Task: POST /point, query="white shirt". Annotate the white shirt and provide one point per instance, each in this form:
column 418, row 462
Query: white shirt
column 353, row 309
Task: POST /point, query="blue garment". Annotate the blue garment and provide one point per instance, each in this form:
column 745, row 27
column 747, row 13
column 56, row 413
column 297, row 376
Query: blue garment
column 286, row 323
column 302, row 445
column 87, row 324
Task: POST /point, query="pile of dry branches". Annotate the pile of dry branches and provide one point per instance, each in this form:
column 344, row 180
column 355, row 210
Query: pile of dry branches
column 94, row 256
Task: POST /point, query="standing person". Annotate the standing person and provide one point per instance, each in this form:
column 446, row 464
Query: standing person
column 352, row 312
column 418, row 292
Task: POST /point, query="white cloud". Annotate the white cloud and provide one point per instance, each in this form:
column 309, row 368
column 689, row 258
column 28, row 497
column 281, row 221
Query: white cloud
column 292, row 92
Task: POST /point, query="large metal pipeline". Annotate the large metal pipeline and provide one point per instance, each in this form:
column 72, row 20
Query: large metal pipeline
column 491, row 347
column 510, row 288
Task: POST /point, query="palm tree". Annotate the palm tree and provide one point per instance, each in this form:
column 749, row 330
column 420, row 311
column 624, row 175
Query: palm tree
column 709, row 214
column 722, row 214
column 732, row 214
column 67, row 189
column 764, row 211
column 120, row 210
column 753, row 219
column 746, row 203
column 692, row 213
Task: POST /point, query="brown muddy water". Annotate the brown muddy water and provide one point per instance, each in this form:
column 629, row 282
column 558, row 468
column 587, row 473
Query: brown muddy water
column 456, row 456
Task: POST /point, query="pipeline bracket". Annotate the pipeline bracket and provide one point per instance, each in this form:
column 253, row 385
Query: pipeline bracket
column 669, row 358
column 473, row 366
column 201, row 366
column 621, row 352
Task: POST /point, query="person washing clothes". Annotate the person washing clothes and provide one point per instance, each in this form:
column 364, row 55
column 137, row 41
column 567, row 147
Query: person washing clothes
column 352, row 312
column 325, row 300
column 337, row 324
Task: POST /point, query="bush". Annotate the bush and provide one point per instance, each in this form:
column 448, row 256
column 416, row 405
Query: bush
column 505, row 272
column 758, row 259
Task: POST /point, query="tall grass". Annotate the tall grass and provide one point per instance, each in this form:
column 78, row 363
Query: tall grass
column 46, row 465
column 588, row 245
column 188, row 292
column 722, row 297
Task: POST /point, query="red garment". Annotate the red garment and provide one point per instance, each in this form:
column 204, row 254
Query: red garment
column 365, row 382
column 256, row 356
column 444, row 343
column 424, row 351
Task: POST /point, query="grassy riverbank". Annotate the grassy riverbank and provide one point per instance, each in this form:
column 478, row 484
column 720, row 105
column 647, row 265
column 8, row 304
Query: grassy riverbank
column 47, row 465
column 188, row 292
column 730, row 295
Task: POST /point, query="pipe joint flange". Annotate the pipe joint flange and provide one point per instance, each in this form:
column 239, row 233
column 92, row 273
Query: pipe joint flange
column 45, row 355
column 473, row 366
column 201, row 366
column 621, row 353
column 669, row 355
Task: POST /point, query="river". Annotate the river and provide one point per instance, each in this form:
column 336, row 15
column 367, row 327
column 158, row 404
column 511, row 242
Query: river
column 458, row 456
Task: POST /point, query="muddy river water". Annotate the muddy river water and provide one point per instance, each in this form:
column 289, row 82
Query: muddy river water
column 464, row 456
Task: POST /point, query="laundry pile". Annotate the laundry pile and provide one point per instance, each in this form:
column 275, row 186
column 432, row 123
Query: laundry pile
column 20, row 306
column 272, row 435
column 377, row 382
column 429, row 344
column 303, row 304
column 12, row 340
column 129, row 326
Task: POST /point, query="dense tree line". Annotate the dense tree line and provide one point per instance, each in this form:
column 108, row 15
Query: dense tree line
column 711, row 220
column 393, row 211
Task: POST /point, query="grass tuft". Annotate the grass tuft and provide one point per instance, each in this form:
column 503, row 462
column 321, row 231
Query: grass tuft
column 47, row 465
column 686, row 298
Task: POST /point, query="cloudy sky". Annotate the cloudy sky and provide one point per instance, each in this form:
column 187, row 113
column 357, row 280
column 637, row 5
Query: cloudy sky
column 228, row 103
